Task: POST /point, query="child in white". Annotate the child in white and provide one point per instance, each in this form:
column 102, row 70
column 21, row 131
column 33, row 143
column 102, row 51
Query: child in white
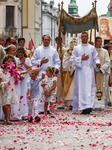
column 33, row 94
column 49, row 85
column 24, row 64
column 7, row 88
column 16, row 113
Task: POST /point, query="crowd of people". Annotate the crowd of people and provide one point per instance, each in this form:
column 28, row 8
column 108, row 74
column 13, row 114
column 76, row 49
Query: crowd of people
column 28, row 86
column 22, row 80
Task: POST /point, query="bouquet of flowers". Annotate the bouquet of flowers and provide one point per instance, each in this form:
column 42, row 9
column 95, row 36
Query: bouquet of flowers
column 13, row 72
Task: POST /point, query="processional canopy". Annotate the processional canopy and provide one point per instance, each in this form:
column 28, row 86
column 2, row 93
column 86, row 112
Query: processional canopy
column 70, row 24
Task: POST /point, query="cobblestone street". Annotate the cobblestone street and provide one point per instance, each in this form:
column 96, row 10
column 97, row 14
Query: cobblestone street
column 65, row 132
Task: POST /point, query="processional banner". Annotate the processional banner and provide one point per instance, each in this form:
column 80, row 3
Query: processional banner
column 105, row 29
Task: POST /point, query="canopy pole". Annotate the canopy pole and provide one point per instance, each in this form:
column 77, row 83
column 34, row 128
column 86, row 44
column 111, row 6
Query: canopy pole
column 58, row 29
column 95, row 25
column 59, row 43
column 90, row 35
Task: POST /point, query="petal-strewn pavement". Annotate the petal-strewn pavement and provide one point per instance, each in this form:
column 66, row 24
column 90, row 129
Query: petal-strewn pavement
column 67, row 131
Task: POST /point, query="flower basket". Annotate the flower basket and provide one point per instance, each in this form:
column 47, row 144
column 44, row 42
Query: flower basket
column 3, row 85
column 47, row 93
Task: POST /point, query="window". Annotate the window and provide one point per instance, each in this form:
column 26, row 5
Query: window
column 71, row 34
column 72, row 11
column 9, row 16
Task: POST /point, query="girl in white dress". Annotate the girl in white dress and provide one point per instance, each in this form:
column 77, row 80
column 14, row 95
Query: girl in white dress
column 49, row 90
column 16, row 113
column 7, row 88
column 24, row 64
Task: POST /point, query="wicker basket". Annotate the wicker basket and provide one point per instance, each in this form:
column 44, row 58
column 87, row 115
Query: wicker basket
column 3, row 85
column 47, row 93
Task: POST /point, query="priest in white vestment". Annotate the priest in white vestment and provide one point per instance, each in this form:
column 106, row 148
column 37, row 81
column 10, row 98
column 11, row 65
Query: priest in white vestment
column 44, row 56
column 84, row 57
column 109, row 48
column 102, row 77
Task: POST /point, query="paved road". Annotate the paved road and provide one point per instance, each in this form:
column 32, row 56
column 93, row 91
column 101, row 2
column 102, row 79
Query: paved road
column 65, row 132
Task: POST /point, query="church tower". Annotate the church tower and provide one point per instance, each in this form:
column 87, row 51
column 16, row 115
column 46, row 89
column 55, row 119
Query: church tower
column 73, row 8
column 73, row 11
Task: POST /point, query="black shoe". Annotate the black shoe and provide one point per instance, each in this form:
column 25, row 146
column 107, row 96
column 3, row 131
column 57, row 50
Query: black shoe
column 48, row 112
column 87, row 111
column 84, row 111
column 70, row 107
column 37, row 119
column 109, row 104
column 52, row 116
column 30, row 119
column 41, row 113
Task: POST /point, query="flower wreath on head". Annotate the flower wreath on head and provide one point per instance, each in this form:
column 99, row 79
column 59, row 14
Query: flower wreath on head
column 50, row 69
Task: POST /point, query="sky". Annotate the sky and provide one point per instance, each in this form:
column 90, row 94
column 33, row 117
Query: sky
column 84, row 6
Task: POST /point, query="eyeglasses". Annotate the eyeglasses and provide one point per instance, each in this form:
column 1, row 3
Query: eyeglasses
column 13, row 43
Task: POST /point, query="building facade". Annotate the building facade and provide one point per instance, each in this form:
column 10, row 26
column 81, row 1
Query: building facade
column 49, row 20
column 10, row 15
column 32, row 21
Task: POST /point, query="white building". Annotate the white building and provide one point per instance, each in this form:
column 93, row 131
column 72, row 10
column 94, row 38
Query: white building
column 10, row 18
column 49, row 20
